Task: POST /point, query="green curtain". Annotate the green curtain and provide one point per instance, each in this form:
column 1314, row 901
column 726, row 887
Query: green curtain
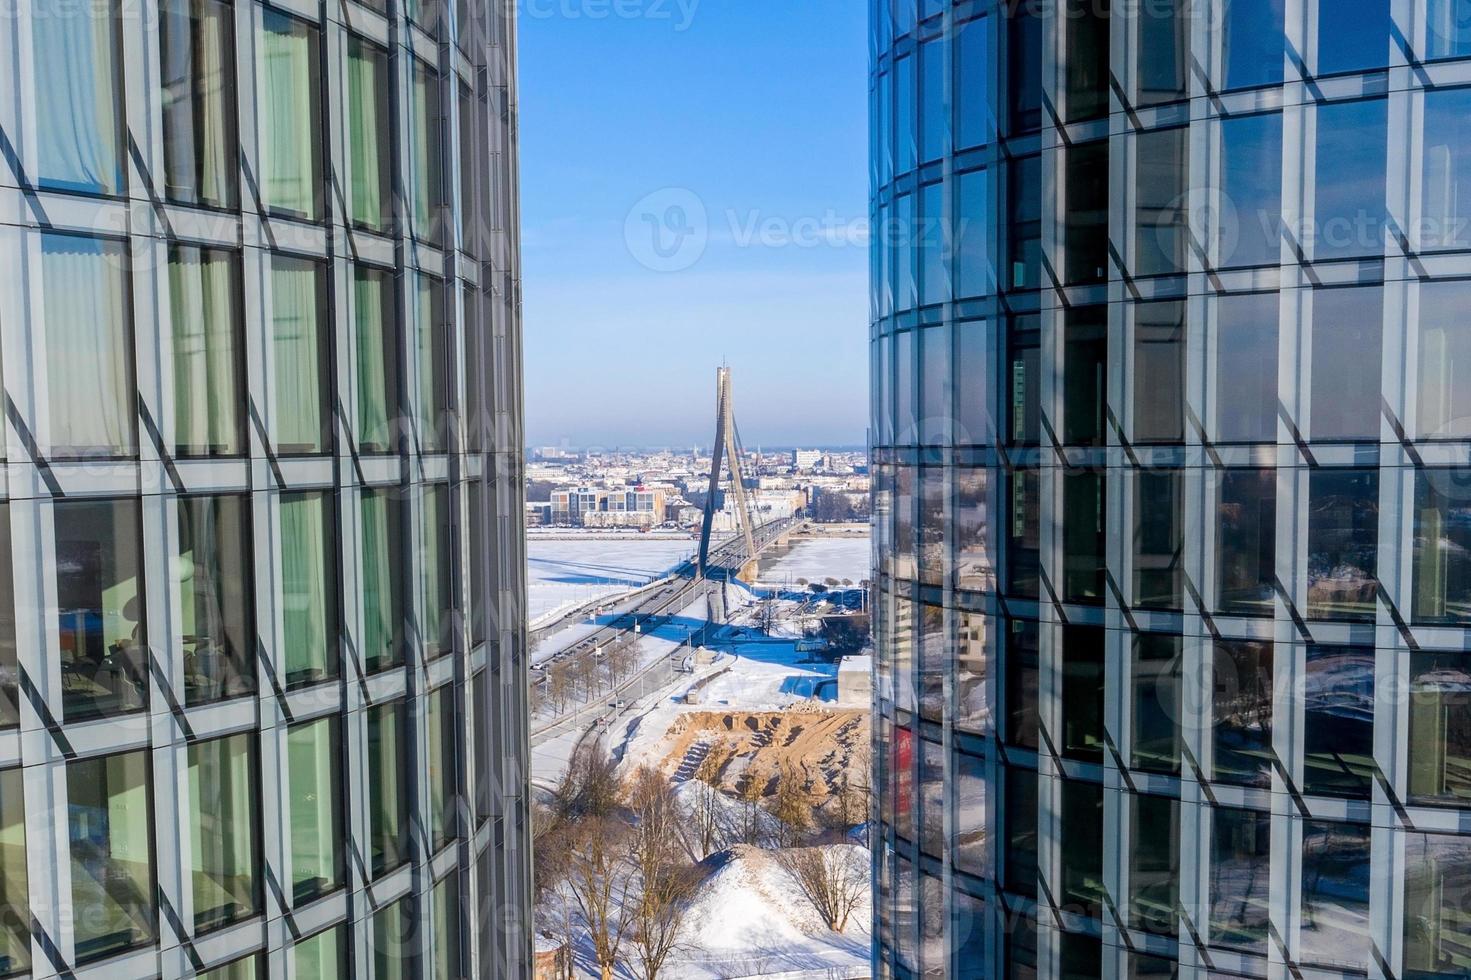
column 15, row 938
column 370, row 314
column 426, row 309
column 297, row 345
column 288, row 141
column 206, row 371
column 446, row 899
column 387, row 794
column 304, row 587
column 366, row 72
column 89, row 359
column 320, row 957
column 312, row 767
column 435, row 515
column 222, row 844
column 392, row 938
column 379, row 613
column 424, row 117
column 441, row 761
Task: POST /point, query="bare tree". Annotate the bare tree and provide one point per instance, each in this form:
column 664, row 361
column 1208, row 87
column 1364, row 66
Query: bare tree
column 830, row 879
column 790, row 807
column 598, row 879
column 666, row 880
column 559, row 683
column 748, row 827
column 589, row 787
column 853, row 789
column 705, row 809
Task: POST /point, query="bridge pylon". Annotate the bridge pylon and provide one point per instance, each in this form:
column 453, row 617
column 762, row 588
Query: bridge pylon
column 727, row 445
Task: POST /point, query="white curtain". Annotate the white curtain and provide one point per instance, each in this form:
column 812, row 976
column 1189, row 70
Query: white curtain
column 287, row 140
column 77, row 107
column 425, row 149
column 297, row 345
column 198, row 143
column 88, row 340
column 206, row 386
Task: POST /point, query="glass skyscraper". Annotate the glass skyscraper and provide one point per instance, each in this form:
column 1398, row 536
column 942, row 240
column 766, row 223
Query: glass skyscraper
column 1171, row 348
column 262, row 678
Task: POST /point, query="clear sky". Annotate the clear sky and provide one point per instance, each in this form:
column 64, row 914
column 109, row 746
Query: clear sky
column 694, row 189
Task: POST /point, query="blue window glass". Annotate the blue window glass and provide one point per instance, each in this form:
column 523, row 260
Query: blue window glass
column 1252, row 43
column 972, row 89
column 1353, row 35
column 1250, row 218
column 1445, row 213
column 1349, row 179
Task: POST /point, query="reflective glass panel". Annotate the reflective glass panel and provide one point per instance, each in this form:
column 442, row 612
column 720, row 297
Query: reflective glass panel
column 1250, row 220
column 216, row 613
column 1338, row 721
column 1347, row 328
column 1440, row 728
column 1343, row 543
column 1246, row 367
column 197, row 63
column 1240, row 878
column 1246, row 542
column 109, row 812
column 1335, row 895
column 224, row 843
column 1242, row 713
column 1442, row 562
column 314, row 791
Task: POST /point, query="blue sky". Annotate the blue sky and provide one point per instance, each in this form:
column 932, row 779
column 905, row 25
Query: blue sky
column 694, row 189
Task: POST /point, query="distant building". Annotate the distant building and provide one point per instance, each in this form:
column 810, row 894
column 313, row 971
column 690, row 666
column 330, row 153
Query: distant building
column 806, row 459
column 608, row 507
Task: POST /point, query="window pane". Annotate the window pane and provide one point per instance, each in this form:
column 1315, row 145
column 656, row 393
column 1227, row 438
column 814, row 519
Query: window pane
column 1024, row 51
column 973, row 391
column 444, row 738
column 208, row 351
column 974, row 275
column 394, row 942
column 389, row 789
column 1022, row 676
column 1023, row 568
column 308, row 587
column 1442, row 573
column 968, row 926
column 323, row 956
column 301, row 420
column 223, row 836
column 1157, row 705
column 470, row 167
column 1024, row 381
column 1242, row 712
column 972, row 96
column 1446, row 175
column 931, row 798
column 436, row 571
column 216, row 617
column 1349, row 203
column 1347, row 327
column 9, row 659
column 197, row 51
column 1353, row 35
column 383, row 579
column 974, row 569
column 1161, row 220
column 1085, row 376
column 426, row 153
column 378, row 361
column 1444, row 375
column 1086, row 25
column 1343, row 543
column 482, row 770
column 936, row 363
column 313, row 803
column 100, row 608
column 1154, row 865
column 1086, row 218
column 1240, row 882
column 1437, row 925
column 477, row 560
column 369, row 137
column 1440, row 728
column 905, row 130
column 1082, row 692
column 1159, row 538
column 905, row 232
column 933, row 551
column 78, row 111
column 973, row 842
column 1252, row 43
column 1083, row 565
column 1448, row 28
column 110, row 828
column 1159, row 371
column 1250, row 216
column 249, row 968
column 1338, row 722
column 931, row 237
column 1020, row 853
column 1082, row 847
column 1246, row 367
column 89, row 345
column 1335, row 895
column 1024, row 222
column 972, row 659
column 932, row 100
column 289, row 108
column 15, row 931
column 1164, row 45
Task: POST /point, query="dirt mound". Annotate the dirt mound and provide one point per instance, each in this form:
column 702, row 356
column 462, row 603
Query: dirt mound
column 744, row 750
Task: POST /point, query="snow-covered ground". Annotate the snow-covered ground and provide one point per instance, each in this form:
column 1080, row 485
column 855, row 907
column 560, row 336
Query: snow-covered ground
column 816, row 559
column 563, row 573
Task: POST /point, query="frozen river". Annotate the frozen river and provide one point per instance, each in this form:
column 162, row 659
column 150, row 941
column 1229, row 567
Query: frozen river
column 817, row 559
column 564, row 573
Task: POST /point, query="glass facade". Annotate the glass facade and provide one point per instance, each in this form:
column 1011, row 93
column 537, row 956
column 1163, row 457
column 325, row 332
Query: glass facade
column 262, row 652
column 1172, row 488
